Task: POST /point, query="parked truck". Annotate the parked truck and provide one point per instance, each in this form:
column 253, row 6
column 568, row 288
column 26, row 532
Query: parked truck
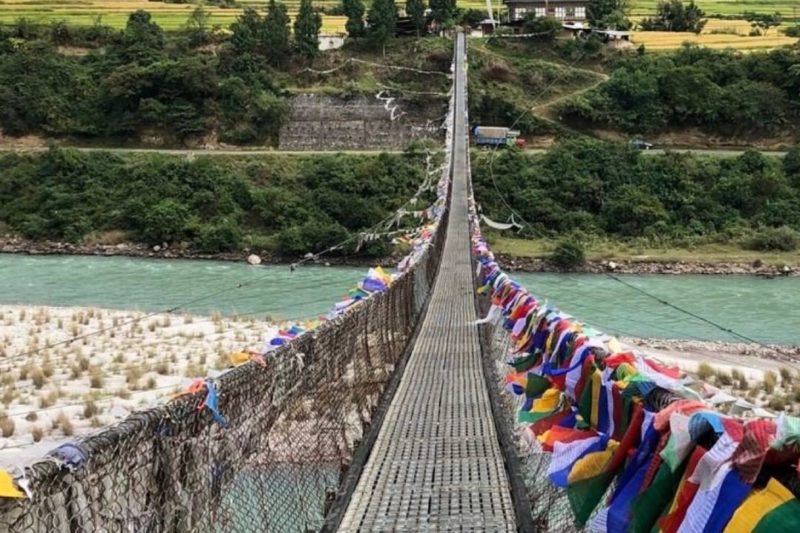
column 496, row 136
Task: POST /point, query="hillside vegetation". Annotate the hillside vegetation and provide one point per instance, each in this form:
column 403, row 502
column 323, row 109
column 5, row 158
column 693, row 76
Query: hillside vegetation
column 191, row 87
column 594, row 190
column 723, row 93
column 510, row 78
column 285, row 205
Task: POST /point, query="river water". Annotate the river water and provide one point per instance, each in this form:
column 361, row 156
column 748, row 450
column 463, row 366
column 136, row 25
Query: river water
column 761, row 309
column 158, row 284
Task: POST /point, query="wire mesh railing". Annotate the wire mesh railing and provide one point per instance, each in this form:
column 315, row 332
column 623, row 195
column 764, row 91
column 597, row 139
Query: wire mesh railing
column 288, row 435
column 262, row 447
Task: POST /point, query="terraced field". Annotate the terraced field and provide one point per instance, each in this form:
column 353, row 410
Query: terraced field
column 716, row 34
column 115, row 12
column 789, row 8
column 173, row 16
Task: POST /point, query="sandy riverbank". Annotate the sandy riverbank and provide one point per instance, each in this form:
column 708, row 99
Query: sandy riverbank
column 72, row 389
column 75, row 388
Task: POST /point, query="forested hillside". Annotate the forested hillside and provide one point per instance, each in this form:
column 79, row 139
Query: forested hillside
column 588, row 189
column 285, row 205
column 723, row 93
column 194, row 86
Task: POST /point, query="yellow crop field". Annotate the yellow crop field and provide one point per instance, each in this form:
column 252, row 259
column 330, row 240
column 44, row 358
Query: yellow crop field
column 173, row 16
column 716, row 34
column 115, row 12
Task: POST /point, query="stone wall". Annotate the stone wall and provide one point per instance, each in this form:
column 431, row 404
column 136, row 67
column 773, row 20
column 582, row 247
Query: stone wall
column 318, row 122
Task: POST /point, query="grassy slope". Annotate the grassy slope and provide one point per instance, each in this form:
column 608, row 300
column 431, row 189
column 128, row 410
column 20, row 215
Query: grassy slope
column 371, row 74
column 617, row 251
column 537, row 78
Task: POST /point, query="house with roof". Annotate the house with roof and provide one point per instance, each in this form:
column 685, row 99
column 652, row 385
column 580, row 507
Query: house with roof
column 564, row 10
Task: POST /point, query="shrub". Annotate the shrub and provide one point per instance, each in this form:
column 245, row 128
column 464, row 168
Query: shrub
column 777, row 403
column 542, row 28
column 783, row 239
column 96, row 378
column 568, row 254
column 310, row 237
column 37, row 377
column 224, row 236
column 6, row 426
column 90, row 409
column 497, row 71
column 705, row 371
column 165, row 222
column 724, row 379
column 786, row 376
column 37, row 433
column 770, row 378
column 65, row 424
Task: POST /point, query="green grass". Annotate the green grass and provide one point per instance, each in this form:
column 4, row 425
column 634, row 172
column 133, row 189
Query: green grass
column 618, row 251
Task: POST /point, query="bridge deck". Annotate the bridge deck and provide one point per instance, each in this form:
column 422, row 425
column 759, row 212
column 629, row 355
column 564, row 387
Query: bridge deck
column 437, row 465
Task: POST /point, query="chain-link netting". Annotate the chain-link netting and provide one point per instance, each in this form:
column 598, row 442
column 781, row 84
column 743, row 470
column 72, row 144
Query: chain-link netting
column 292, row 427
column 549, row 505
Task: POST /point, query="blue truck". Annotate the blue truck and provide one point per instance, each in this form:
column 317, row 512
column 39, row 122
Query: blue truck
column 496, row 136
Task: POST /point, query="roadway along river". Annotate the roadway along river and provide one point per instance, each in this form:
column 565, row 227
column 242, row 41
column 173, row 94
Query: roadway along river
column 766, row 310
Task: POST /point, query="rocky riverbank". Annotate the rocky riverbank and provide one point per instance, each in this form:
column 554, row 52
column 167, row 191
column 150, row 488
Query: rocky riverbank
column 531, row 264
column 714, row 349
column 15, row 245
column 511, row 263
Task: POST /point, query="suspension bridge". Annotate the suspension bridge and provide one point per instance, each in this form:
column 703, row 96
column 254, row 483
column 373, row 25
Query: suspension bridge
column 378, row 420
column 388, row 417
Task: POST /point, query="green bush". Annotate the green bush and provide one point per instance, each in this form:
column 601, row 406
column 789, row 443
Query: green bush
column 568, row 254
column 165, row 222
column 310, row 237
column 224, row 236
column 781, row 239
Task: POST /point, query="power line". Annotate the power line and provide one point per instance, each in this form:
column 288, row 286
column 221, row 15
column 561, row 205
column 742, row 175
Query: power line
column 516, row 121
column 696, row 316
column 219, row 292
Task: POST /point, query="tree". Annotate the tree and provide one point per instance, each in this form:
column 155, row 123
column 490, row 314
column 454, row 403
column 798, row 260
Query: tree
column 469, row 17
column 382, row 17
column 275, row 33
column 306, row 30
column 608, row 14
column 791, row 165
column 416, row 10
column 143, row 39
column 672, row 15
column 354, row 11
column 197, row 24
column 246, row 32
column 542, row 28
column 761, row 23
column 442, row 11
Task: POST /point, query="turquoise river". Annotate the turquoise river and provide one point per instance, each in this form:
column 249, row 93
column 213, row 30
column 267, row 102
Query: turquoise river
column 766, row 310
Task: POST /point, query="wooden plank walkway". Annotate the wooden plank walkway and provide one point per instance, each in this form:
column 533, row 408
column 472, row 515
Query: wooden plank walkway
column 437, row 465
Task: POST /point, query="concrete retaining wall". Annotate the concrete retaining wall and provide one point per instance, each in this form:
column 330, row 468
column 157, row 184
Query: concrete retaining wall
column 318, row 122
